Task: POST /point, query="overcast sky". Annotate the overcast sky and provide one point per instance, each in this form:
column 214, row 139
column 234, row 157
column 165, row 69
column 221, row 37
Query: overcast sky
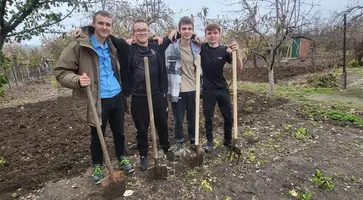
column 187, row 7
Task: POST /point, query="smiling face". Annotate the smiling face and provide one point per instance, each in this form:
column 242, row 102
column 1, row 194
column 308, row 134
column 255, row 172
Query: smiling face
column 213, row 36
column 186, row 31
column 102, row 25
column 141, row 32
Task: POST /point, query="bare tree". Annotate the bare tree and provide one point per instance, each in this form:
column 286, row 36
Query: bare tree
column 156, row 13
column 284, row 18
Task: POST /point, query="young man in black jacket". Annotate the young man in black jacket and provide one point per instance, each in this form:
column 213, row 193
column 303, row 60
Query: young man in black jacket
column 159, row 88
column 133, row 79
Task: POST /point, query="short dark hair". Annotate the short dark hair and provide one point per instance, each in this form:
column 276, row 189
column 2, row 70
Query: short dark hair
column 138, row 21
column 102, row 13
column 212, row 27
column 185, row 20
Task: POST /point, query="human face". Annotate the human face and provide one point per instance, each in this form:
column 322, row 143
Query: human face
column 141, row 33
column 103, row 26
column 213, row 37
column 186, row 31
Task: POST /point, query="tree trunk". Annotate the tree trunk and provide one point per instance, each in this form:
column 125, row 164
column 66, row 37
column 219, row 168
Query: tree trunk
column 15, row 77
column 17, row 69
column 2, row 40
column 278, row 57
column 254, row 61
column 271, row 82
column 40, row 74
column 312, row 59
column 27, row 71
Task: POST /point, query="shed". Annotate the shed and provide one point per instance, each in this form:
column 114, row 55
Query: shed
column 299, row 47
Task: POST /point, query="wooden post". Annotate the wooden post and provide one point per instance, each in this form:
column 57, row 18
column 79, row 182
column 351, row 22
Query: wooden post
column 344, row 52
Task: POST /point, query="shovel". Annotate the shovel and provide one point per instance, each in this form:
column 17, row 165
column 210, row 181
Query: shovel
column 114, row 184
column 158, row 171
column 197, row 160
column 234, row 151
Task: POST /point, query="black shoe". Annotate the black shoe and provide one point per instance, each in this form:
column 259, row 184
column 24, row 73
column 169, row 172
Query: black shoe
column 208, row 148
column 227, row 144
column 143, row 163
column 170, row 156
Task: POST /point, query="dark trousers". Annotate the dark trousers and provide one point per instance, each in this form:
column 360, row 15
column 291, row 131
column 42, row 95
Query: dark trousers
column 223, row 98
column 186, row 103
column 140, row 115
column 113, row 112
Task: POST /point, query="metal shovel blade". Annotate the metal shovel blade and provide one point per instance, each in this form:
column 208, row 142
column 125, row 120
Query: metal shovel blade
column 197, row 159
column 158, row 173
column 233, row 152
column 114, row 185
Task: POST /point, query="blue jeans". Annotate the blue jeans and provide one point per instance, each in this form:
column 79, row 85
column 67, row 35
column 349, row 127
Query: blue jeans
column 186, row 102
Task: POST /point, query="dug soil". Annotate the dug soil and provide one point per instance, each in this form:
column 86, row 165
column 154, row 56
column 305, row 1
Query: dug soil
column 46, row 156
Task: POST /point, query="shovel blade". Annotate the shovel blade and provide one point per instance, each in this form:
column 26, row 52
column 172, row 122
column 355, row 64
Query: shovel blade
column 196, row 160
column 114, row 185
column 158, row 173
column 234, row 153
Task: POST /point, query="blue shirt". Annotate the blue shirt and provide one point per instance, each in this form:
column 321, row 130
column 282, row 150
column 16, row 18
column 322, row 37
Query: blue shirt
column 109, row 85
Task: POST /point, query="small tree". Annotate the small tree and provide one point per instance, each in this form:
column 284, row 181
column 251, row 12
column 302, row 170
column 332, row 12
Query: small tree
column 274, row 27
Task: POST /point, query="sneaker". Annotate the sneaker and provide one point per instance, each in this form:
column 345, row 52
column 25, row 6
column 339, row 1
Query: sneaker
column 97, row 174
column 143, row 163
column 125, row 165
column 170, row 156
column 179, row 150
column 208, row 148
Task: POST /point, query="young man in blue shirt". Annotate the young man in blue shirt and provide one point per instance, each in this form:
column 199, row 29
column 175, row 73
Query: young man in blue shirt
column 92, row 61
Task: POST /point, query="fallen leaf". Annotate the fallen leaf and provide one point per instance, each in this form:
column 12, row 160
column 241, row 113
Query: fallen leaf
column 128, row 193
column 14, row 195
column 293, row 193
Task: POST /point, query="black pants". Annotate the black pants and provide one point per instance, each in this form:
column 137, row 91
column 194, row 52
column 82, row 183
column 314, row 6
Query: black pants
column 186, row 102
column 223, row 98
column 140, row 115
column 112, row 111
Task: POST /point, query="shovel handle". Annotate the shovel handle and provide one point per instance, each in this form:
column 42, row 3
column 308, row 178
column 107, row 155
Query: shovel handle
column 197, row 100
column 234, row 69
column 150, row 105
column 99, row 131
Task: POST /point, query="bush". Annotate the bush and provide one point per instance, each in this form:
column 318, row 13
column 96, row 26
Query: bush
column 3, row 80
column 324, row 81
column 354, row 63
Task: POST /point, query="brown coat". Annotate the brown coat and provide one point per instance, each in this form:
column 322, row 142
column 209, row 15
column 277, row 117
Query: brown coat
column 77, row 58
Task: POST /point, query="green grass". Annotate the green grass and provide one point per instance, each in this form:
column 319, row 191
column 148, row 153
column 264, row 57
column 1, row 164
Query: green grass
column 295, row 92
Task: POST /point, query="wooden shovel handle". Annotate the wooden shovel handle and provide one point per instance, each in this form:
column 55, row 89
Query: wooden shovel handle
column 99, row 131
column 197, row 100
column 150, row 105
column 234, row 70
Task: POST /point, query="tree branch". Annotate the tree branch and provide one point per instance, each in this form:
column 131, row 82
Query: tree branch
column 42, row 26
column 2, row 13
column 261, row 55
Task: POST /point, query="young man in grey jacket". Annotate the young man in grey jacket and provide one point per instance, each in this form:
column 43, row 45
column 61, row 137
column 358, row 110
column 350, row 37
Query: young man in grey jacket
column 181, row 65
